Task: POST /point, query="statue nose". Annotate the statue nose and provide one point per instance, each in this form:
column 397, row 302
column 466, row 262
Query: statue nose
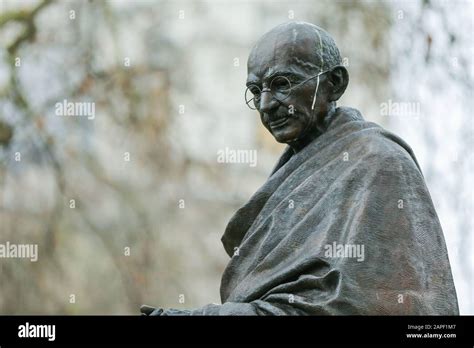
column 267, row 101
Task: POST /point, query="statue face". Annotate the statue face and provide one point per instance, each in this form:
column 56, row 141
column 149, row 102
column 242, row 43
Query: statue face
column 291, row 54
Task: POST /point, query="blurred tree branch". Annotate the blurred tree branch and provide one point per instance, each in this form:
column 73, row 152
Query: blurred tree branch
column 27, row 18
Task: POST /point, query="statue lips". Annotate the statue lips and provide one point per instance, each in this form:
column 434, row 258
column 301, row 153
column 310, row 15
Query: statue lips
column 279, row 123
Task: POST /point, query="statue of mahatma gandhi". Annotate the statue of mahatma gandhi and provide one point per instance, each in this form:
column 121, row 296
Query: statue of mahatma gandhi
column 345, row 224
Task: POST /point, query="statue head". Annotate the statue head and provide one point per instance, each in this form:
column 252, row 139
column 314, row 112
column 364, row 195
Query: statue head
column 294, row 79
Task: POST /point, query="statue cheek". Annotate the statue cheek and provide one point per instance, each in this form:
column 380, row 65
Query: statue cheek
column 306, row 117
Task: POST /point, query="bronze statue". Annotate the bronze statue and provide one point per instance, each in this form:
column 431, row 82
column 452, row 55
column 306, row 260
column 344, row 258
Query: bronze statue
column 345, row 224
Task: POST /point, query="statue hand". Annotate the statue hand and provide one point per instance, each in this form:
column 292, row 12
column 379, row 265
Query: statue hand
column 176, row 312
column 150, row 311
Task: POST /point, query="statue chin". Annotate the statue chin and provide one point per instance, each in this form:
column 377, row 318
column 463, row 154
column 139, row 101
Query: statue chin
column 287, row 134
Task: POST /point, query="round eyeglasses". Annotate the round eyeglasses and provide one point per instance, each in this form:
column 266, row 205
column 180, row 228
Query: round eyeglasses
column 280, row 88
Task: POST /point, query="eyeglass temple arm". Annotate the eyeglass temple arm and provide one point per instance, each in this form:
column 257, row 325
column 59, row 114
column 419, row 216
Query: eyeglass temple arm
column 315, row 93
column 317, row 84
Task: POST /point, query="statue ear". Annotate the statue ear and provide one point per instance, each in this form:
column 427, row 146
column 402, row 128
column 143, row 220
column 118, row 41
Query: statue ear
column 339, row 78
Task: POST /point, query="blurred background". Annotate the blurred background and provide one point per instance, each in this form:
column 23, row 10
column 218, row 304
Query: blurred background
column 128, row 207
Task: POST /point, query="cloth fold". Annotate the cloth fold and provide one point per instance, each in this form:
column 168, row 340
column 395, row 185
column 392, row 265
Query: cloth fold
column 345, row 226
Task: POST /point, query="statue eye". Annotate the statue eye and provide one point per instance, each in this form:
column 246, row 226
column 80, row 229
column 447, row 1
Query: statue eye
column 280, row 83
column 255, row 91
column 252, row 96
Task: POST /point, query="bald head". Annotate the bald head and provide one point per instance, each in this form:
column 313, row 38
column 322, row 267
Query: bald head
column 296, row 43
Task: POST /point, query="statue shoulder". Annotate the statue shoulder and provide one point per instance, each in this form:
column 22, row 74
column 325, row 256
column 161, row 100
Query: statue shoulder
column 388, row 151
